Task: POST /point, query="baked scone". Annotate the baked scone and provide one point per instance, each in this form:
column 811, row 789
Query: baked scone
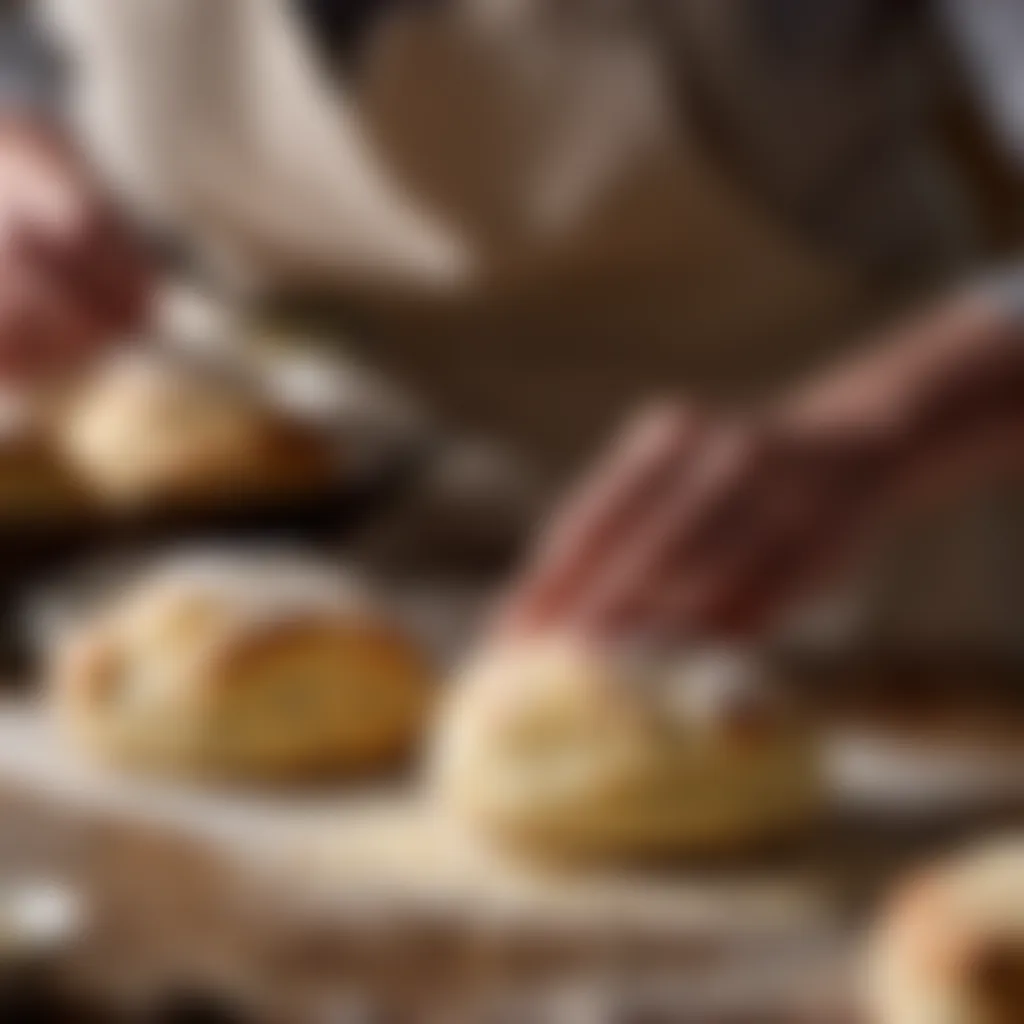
column 558, row 748
column 244, row 667
column 950, row 946
column 145, row 431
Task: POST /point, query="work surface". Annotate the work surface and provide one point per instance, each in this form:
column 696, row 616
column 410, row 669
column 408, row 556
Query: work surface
column 289, row 897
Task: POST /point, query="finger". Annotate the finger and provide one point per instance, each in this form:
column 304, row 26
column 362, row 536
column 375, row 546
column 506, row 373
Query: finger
column 79, row 225
column 835, row 539
column 628, row 581
column 701, row 504
column 791, row 548
column 575, row 545
column 722, row 496
column 783, row 578
column 774, row 538
column 800, row 522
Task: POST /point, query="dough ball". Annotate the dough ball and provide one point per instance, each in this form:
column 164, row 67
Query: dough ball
column 145, row 431
column 242, row 668
column 950, row 946
column 563, row 749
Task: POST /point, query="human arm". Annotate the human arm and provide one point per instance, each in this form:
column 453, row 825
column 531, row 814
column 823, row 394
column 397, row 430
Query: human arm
column 73, row 274
column 716, row 521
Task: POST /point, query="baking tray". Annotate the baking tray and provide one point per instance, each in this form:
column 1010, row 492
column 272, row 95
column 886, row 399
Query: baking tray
column 39, row 557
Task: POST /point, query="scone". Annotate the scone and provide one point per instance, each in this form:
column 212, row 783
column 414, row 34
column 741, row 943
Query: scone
column 242, row 667
column 565, row 751
column 950, row 947
column 148, row 431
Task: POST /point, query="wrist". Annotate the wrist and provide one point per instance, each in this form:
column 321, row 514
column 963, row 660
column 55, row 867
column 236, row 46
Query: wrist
column 940, row 397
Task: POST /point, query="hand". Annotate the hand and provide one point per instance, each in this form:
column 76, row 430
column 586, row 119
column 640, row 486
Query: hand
column 705, row 524
column 72, row 277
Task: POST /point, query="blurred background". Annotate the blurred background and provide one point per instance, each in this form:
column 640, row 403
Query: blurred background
column 373, row 280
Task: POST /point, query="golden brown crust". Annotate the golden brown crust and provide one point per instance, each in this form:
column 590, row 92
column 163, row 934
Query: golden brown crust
column 950, row 943
column 187, row 681
column 376, row 695
column 152, row 433
column 392, row 649
column 556, row 750
column 36, row 483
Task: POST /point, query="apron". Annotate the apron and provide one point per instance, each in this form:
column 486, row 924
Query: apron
column 512, row 200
